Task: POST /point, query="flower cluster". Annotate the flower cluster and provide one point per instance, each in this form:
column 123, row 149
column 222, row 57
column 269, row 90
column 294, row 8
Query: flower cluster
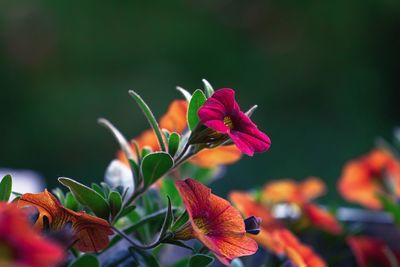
column 156, row 208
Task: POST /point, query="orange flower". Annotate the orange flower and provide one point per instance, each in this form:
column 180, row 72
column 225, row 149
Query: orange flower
column 91, row 233
column 372, row 252
column 273, row 235
column 20, row 245
column 175, row 121
column 214, row 222
column 363, row 179
column 301, row 194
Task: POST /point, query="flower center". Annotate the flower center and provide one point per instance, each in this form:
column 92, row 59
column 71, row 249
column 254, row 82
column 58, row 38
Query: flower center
column 228, row 122
column 201, row 224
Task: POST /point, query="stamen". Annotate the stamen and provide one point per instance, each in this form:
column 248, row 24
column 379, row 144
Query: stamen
column 228, row 122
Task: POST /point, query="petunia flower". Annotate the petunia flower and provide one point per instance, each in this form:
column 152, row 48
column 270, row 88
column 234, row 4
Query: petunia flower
column 20, row 245
column 174, row 120
column 214, row 222
column 369, row 176
column 301, row 195
column 370, row 251
column 222, row 114
column 273, row 235
column 91, row 233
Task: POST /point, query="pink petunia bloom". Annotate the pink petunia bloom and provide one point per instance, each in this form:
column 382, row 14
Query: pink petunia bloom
column 222, row 113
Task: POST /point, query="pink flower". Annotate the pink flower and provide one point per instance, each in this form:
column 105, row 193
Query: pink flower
column 222, row 113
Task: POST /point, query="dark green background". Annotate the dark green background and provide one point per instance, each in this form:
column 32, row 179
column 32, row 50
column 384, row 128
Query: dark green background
column 324, row 73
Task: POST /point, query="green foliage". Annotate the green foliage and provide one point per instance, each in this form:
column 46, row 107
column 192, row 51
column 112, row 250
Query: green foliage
column 391, row 207
column 115, row 202
column 197, row 100
column 168, row 188
column 98, row 189
column 208, row 88
column 5, row 188
column 86, row 261
column 143, row 258
column 173, row 143
column 154, row 166
column 150, row 117
column 200, row 260
column 180, row 221
column 70, row 202
column 87, row 197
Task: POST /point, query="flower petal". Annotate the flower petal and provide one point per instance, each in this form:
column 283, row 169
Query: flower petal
column 211, row 158
column 174, row 120
column 195, row 196
column 322, row 219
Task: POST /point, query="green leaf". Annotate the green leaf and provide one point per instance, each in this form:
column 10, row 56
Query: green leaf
column 154, row 166
column 85, row 261
column 123, row 143
column 143, row 258
column 180, row 221
column 200, row 260
column 184, row 92
column 125, row 211
column 70, row 202
column 115, row 202
column 5, row 188
column 169, row 217
column 98, row 189
column 173, row 143
column 208, row 88
column 391, row 207
column 106, row 189
column 87, row 197
column 197, row 100
column 150, row 117
column 146, row 150
column 60, row 195
column 168, row 188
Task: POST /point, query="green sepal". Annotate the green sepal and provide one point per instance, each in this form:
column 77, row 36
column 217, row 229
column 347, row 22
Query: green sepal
column 70, row 202
column 208, row 89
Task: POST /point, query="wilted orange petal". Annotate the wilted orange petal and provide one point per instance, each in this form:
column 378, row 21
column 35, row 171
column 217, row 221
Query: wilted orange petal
column 322, row 219
column 175, row 118
column 222, row 155
column 312, row 188
column 91, row 232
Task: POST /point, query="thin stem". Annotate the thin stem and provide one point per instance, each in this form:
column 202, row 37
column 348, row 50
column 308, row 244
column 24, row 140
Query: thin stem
column 133, row 243
column 185, row 148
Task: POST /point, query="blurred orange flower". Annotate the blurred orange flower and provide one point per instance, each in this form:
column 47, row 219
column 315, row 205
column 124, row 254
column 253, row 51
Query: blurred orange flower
column 175, row 121
column 363, row 179
column 20, row 245
column 91, row 233
column 301, row 194
column 214, row 222
column 273, row 235
column 372, row 252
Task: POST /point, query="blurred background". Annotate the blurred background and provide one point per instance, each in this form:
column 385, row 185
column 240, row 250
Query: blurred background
column 324, row 74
